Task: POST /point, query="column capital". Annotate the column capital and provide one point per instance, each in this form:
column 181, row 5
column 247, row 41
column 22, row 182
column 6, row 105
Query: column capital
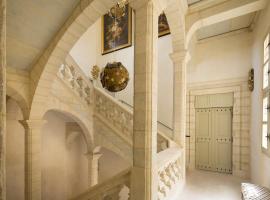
column 93, row 156
column 33, row 124
column 179, row 56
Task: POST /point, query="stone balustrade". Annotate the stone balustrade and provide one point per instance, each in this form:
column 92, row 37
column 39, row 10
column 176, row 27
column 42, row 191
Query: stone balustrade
column 77, row 81
column 115, row 188
column 170, row 173
column 112, row 112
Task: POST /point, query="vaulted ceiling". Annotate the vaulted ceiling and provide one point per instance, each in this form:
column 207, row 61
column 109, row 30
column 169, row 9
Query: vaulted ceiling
column 31, row 25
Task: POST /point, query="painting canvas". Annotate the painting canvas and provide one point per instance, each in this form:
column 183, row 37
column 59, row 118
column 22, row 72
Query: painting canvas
column 163, row 26
column 116, row 32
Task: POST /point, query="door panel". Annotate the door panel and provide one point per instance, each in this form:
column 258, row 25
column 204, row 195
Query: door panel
column 222, row 134
column 214, row 139
column 203, row 139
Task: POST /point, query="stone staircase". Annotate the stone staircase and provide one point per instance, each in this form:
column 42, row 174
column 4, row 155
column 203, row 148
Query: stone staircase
column 113, row 128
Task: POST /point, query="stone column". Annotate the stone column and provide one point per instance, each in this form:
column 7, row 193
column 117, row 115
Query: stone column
column 33, row 158
column 2, row 100
column 93, row 168
column 144, row 171
column 179, row 101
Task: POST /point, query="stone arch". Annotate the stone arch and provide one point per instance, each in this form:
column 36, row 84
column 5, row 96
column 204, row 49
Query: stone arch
column 21, row 101
column 45, row 70
column 84, row 122
column 175, row 11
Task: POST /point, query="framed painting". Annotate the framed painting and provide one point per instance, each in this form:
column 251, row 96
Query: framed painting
column 163, row 26
column 116, row 32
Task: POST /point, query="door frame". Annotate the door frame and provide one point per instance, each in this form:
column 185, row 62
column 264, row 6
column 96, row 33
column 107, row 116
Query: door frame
column 236, row 89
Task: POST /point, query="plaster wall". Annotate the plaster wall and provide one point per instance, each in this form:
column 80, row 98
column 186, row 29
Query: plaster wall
column 64, row 166
column 14, row 152
column 260, row 163
column 110, row 164
column 220, row 58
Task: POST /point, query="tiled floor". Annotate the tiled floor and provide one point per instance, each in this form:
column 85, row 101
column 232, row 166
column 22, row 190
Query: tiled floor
column 203, row 185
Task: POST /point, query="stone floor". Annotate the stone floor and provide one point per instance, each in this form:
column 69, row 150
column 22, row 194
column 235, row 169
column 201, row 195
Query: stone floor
column 203, row 185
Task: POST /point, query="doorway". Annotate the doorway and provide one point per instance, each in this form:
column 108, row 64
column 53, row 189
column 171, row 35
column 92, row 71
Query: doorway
column 213, row 129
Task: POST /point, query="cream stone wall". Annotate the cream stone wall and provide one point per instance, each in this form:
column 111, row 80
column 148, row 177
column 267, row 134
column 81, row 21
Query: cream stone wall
column 110, row 164
column 220, row 58
column 3, row 4
column 260, row 163
column 64, row 166
column 15, row 140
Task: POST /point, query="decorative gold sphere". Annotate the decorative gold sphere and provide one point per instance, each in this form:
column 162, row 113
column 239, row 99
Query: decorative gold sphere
column 114, row 77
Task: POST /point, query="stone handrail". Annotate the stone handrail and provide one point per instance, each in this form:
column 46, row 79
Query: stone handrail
column 110, row 189
column 169, row 173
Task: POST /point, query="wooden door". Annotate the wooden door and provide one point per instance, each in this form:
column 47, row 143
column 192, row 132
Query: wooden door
column 222, row 139
column 203, row 139
column 214, row 139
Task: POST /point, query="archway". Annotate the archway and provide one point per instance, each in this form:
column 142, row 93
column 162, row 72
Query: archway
column 15, row 158
column 64, row 165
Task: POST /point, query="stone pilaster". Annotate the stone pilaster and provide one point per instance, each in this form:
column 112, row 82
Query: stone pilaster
column 33, row 158
column 93, row 168
column 2, row 99
column 144, row 172
column 179, row 100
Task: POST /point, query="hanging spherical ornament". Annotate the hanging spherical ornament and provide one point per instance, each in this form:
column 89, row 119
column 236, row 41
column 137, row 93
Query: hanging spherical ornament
column 114, row 77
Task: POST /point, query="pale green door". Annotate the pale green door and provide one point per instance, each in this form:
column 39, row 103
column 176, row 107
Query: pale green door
column 222, row 137
column 214, row 139
column 203, row 149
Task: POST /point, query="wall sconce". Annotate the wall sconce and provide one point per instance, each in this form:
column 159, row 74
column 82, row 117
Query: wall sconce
column 251, row 80
column 95, row 72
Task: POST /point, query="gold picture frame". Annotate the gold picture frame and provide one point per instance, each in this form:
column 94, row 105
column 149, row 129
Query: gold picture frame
column 163, row 26
column 124, row 39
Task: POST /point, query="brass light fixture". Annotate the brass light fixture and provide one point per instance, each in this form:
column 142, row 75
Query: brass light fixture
column 118, row 10
column 251, row 80
column 114, row 77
